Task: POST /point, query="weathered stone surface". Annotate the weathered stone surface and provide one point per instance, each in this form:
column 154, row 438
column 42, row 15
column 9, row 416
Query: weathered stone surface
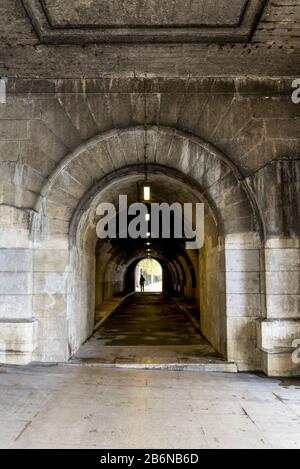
column 143, row 21
column 49, row 282
column 283, row 306
column 280, row 364
column 14, row 238
column 15, row 195
column 220, row 127
column 52, row 328
column 51, row 350
column 245, row 354
column 46, row 141
column 282, row 260
column 209, row 115
column 56, row 118
column 241, row 241
column 19, row 338
column 281, row 283
column 13, row 130
column 15, row 306
column 242, row 282
column 13, row 283
column 241, row 329
column 242, row 260
column 244, row 305
column 276, row 334
column 15, row 260
column 277, row 187
column 49, row 305
column 49, row 261
column 274, row 49
column 152, row 13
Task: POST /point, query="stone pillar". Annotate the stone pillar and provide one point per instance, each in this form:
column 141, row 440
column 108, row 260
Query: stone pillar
column 18, row 327
column 281, row 328
column 49, row 301
column 244, row 299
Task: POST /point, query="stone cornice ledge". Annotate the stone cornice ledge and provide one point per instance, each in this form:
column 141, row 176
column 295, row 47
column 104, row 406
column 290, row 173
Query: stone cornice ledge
column 267, row 86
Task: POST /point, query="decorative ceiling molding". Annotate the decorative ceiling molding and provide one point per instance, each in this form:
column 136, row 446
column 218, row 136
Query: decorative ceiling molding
column 143, row 21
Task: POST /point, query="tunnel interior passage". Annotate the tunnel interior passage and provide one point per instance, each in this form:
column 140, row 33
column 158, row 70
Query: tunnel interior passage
column 212, row 277
column 118, row 259
column 193, row 276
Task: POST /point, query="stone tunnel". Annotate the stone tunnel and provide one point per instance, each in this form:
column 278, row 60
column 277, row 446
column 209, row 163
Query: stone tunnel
column 210, row 101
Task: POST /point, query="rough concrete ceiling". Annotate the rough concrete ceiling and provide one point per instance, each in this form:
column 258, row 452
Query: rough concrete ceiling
column 143, row 20
column 34, row 48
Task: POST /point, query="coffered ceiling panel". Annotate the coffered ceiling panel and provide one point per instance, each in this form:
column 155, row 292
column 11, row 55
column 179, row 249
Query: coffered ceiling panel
column 100, row 21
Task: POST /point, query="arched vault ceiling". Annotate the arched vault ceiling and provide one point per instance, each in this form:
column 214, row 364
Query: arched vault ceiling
column 119, row 154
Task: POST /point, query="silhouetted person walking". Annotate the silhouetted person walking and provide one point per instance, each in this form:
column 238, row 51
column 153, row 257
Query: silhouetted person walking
column 142, row 283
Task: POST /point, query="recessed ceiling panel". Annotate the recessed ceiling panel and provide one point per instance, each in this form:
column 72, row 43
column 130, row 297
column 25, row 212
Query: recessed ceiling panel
column 94, row 21
column 145, row 13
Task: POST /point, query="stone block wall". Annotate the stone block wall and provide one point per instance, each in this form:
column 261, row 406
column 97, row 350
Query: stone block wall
column 277, row 186
column 50, row 268
column 252, row 122
column 244, row 299
column 18, row 327
column 281, row 328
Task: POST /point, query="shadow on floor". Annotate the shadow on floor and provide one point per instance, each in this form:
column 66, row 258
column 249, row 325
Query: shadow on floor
column 149, row 330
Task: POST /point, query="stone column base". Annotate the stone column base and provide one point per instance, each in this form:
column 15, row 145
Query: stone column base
column 279, row 363
column 278, row 339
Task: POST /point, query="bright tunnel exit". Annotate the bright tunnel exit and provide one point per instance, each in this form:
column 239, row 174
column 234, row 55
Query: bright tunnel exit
column 148, row 276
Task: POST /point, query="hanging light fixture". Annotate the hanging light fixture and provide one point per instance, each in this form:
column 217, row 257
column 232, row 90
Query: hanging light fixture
column 144, row 187
column 146, row 192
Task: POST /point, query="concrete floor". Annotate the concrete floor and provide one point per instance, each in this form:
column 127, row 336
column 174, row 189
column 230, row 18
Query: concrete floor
column 148, row 319
column 150, row 330
column 67, row 406
column 79, row 406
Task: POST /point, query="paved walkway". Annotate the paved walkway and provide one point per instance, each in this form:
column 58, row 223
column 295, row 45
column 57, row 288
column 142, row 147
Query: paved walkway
column 150, row 330
column 148, row 319
column 84, row 407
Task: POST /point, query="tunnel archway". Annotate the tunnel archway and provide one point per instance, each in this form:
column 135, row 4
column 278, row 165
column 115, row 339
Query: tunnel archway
column 131, row 276
column 117, row 259
column 179, row 164
column 148, row 276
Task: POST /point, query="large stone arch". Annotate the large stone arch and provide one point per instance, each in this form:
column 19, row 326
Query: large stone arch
column 64, row 223
column 119, row 148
